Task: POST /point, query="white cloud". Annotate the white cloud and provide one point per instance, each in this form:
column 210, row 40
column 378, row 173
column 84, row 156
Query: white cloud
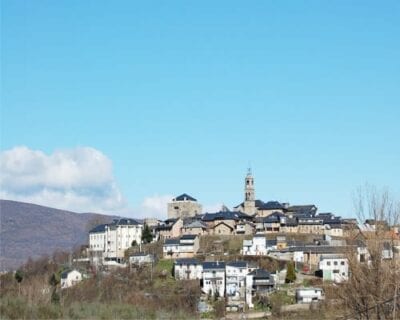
column 79, row 179
column 211, row 208
column 155, row 206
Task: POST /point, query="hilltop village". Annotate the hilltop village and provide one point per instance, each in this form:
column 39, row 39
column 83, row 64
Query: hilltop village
column 241, row 255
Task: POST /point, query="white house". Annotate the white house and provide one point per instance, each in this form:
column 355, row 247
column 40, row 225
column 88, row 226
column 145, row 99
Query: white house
column 70, row 278
column 111, row 240
column 188, row 269
column 308, row 295
column 333, row 230
column 184, row 247
column 255, row 247
column 236, row 280
column 214, row 278
column 334, row 267
column 141, row 258
column 171, row 248
column 97, row 244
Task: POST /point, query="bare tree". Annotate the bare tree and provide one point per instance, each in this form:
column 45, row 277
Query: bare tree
column 371, row 292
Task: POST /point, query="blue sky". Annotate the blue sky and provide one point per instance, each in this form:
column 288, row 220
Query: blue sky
column 182, row 96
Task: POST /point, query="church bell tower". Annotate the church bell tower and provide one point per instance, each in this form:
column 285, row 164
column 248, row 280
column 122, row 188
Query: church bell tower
column 249, row 194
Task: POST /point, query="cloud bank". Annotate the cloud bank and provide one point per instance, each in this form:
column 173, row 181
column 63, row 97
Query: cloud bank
column 78, row 179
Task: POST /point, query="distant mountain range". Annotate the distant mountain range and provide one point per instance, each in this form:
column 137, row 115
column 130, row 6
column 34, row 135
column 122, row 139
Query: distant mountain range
column 29, row 230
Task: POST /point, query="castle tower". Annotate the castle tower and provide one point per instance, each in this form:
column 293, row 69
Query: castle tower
column 249, row 194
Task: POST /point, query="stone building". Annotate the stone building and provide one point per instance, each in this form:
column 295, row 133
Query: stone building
column 183, row 206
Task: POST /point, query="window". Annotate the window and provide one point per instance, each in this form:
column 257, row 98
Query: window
column 328, row 263
column 335, row 263
column 342, row 263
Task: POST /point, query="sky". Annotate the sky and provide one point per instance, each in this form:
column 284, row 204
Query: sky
column 117, row 106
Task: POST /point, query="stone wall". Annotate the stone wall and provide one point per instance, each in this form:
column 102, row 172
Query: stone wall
column 183, row 209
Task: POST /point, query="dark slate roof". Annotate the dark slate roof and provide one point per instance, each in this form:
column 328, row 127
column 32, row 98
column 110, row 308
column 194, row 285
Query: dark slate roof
column 270, row 243
column 329, row 218
column 172, row 241
column 187, row 261
column 326, row 215
column 164, row 227
column 334, row 225
column 274, row 217
column 309, row 208
column 237, row 264
column 171, row 221
column 99, row 228
column 226, row 215
column 271, row 205
column 65, row 273
column 188, row 237
column 195, row 224
column 213, row 265
column 258, row 203
column 184, row 196
column 124, row 221
column 260, row 274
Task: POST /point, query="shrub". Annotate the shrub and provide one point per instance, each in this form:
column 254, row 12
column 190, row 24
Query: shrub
column 291, row 273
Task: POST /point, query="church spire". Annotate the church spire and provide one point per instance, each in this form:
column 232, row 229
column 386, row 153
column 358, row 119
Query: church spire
column 249, row 194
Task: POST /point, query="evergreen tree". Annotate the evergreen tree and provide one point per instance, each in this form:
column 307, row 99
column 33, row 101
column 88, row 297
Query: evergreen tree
column 54, row 279
column 19, row 276
column 291, row 273
column 147, row 237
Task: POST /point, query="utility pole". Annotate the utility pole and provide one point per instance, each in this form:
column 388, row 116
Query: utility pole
column 395, row 302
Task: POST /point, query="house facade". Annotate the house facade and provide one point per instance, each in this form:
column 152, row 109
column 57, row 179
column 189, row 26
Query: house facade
column 222, row 228
column 195, row 228
column 214, row 278
column 308, row 295
column 109, row 241
column 258, row 281
column 184, row 247
column 244, row 228
column 70, row 278
column 188, row 269
column 236, row 281
column 334, row 267
column 141, row 258
column 171, row 228
column 255, row 247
